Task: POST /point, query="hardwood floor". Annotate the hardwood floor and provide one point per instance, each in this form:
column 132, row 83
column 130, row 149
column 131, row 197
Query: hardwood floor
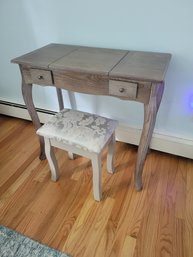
column 156, row 222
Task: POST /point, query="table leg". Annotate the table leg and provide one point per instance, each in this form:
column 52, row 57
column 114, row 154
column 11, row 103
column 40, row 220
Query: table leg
column 27, row 96
column 60, row 98
column 150, row 113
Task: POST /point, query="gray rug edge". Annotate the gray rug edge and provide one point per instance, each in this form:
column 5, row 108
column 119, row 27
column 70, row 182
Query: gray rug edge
column 11, row 234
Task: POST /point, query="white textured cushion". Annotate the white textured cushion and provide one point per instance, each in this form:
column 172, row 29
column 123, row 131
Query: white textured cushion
column 84, row 130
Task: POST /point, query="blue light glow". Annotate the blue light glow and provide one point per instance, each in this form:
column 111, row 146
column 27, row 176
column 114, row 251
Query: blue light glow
column 191, row 101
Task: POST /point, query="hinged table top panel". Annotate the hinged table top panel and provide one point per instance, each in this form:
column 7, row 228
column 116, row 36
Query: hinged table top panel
column 43, row 57
column 145, row 66
column 115, row 63
column 90, row 60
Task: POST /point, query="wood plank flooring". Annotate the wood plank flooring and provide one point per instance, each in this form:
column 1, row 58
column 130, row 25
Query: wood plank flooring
column 156, row 222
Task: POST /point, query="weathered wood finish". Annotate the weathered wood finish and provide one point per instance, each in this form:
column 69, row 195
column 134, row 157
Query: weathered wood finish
column 157, row 222
column 51, row 160
column 81, row 82
column 89, row 70
column 43, row 57
column 142, row 93
column 90, row 60
column 123, row 89
column 37, row 76
column 150, row 112
column 28, row 99
column 144, row 66
column 60, row 98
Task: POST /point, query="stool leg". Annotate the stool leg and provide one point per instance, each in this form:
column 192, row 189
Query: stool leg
column 110, row 154
column 51, row 160
column 71, row 156
column 96, row 166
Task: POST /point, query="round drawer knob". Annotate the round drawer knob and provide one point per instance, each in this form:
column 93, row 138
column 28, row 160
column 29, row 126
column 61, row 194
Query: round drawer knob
column 121, row 90
column 40, row 77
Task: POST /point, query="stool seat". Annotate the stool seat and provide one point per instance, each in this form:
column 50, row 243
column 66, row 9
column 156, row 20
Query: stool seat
column 80, row 133
column 83, row 130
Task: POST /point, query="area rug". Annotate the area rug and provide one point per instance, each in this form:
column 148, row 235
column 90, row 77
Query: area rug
column 13, row 244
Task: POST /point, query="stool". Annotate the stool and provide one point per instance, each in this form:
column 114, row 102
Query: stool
column 81, row 133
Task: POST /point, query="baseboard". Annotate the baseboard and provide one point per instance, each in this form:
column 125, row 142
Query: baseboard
column 160, row 142
column 20, row 111
column 124, row 133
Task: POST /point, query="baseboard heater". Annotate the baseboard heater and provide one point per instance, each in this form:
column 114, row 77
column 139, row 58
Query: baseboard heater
column 20, row 111
column 22, row 106
column 124, row 133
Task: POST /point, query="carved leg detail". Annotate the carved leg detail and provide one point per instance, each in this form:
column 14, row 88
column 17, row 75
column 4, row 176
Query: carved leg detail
column 27, row 96
column 150, row 112
column 51, row 160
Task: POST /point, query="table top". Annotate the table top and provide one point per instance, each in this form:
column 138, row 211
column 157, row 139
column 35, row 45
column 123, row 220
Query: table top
column 113, row 63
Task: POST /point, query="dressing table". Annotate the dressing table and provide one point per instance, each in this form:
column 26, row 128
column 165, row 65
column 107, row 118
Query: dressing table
column 128, row 75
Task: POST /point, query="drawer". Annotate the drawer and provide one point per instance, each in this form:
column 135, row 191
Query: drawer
column 123, row 89
column 37, row 76
column 81, row 82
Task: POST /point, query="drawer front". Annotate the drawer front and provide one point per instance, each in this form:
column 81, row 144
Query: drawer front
column 123, row 89
column 36, row 76
column 81, row 82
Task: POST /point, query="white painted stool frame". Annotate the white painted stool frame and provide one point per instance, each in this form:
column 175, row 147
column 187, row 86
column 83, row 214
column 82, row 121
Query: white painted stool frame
column 95, row 159
column 53, row 139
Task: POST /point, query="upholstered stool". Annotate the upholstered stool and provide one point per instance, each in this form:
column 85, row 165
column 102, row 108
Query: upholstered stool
column 83, row 134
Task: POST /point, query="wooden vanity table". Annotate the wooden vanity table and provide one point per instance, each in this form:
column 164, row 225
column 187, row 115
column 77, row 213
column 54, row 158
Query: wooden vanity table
column 128, row 75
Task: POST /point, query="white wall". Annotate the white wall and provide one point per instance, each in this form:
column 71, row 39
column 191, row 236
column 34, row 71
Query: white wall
column 163, row 26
